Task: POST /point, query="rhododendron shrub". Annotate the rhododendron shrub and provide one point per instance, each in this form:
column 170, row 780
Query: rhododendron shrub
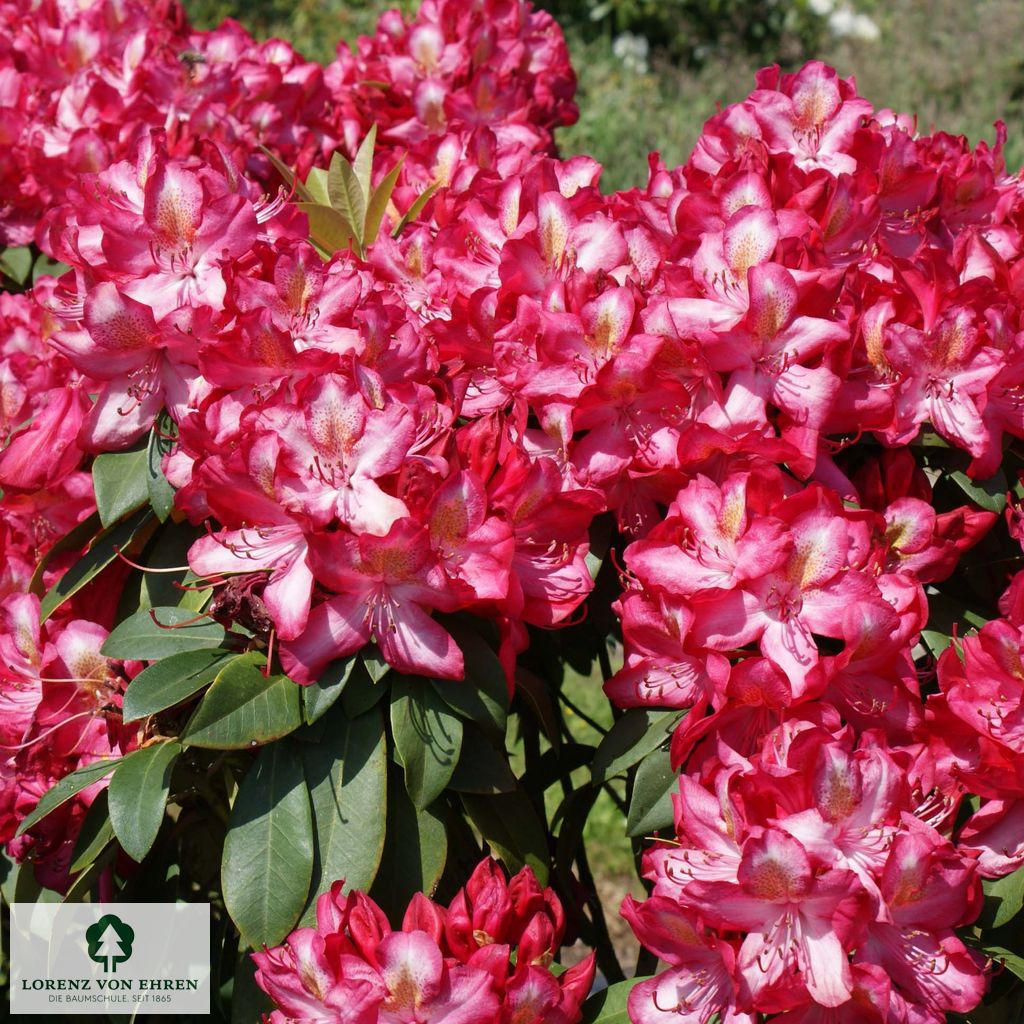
column 341, row 417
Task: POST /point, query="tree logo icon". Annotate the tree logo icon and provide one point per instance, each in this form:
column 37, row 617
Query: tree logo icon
column 110, row 942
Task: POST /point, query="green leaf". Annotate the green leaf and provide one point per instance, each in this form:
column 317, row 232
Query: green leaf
column 609, row 1005
column 24, row 887
column 316, row 184
column 990, row 494
column 81, row 889
column 600, row 541
column 138, row 795
column 160, row 492
column 248, row 1001
column 414, row 854
column 69, row 786
column 650, row 809
column 552, row 766
column 361, row 692
column 121, row 482
column 481, row 768
column 428, row 738
column 947, row 614
column 363, row 163
column 376, row 667
column 935, row 642
column 346, row 195
column 328, row 229
column 571, row 817
column 74, row 540
column 96, row 832
column 244, row 707
column 482, row 696
column 170, row 681
column 9, row 869
column 268, row 850
column 631, row 739
column 1012, row 961
column 319, row 696
column 124, row 536
column 538, row 698
column 16, row 263
column 347, row 778
column 44, row 267
column 169, row 550
column 1004, row 898
column 155, row 633
column 416, row 209
column 378, row 205
column 290, row 178
column 509, row 824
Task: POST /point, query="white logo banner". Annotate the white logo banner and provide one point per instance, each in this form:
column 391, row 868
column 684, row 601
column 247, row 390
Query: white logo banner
column 110, row 958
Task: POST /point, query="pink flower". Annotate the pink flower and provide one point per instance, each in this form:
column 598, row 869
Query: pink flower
column 807, row 593
column 421, row 989
column 720, row 542
column 701, row 980
column 996, row 834
column 120, row 343
column 273, row 543
column 946, row 369
column 383, row 586
column 353, row 969
column 548, row 518
column 800, row 925
column 47, row 451
column 813, row 115
column 658, row 670
column 345, row 445
column 852, row 821
column 769, row 356
column 987, row 690
column 473, row 547
column 191, row 225
column 928, row 890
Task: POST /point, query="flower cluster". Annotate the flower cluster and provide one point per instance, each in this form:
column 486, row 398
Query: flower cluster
column 47, row 498
column 315, row 422
column 747, row 364
column 836, row 275
column 59, row 698
column 459, row 84
column 817, row 872
column 484, row 959
column 980, row 742
column 60, row 703
column 81, row 83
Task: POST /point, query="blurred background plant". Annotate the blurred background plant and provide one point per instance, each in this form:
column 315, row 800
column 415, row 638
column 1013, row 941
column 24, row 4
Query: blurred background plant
column 692, row 31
